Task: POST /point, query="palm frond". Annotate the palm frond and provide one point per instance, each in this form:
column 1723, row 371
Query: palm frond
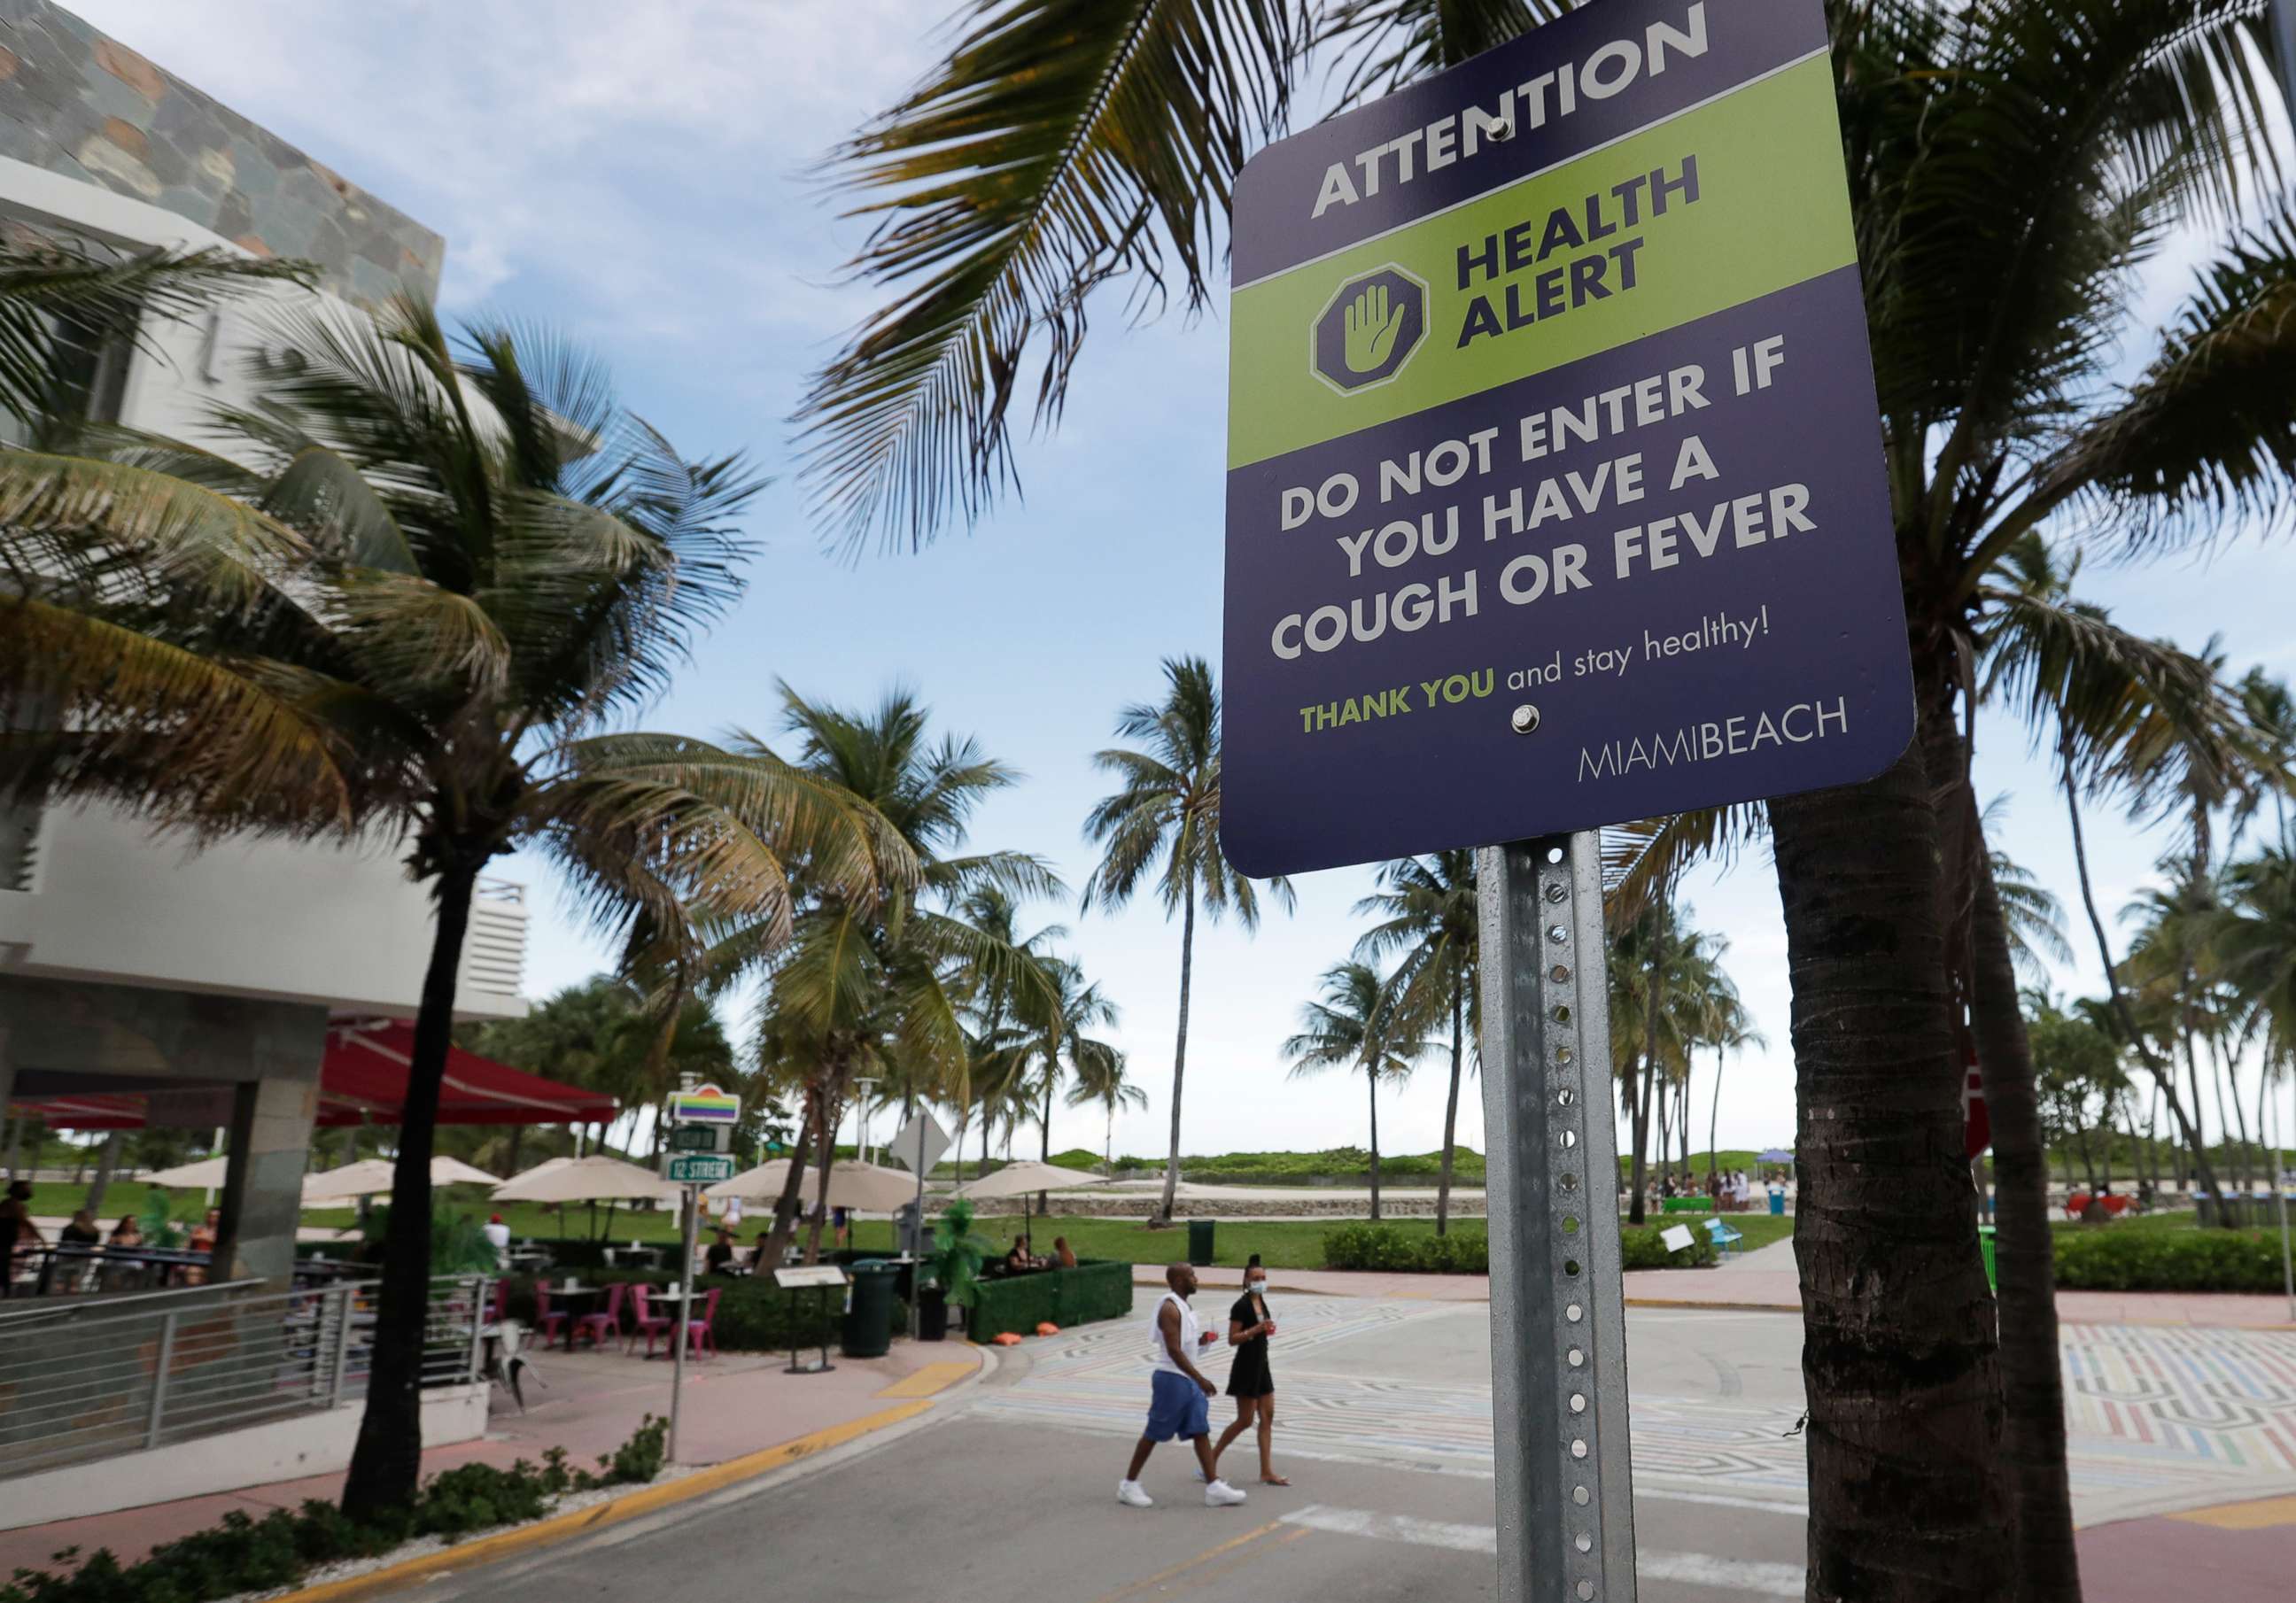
column 1060, row 145
column 1379, row 46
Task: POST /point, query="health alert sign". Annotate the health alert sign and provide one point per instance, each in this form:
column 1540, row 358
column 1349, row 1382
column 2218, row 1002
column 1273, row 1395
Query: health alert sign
column 1555, row 493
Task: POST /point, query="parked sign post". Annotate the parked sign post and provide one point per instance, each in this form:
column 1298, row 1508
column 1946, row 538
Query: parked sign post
column 697, row 1154
column 1555, row 499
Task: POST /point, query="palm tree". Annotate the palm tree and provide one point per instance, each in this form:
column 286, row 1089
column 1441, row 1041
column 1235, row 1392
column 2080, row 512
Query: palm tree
column 989, row 995
column 415, row 597
column 2010, row 166
column 2271, row 712
column 1356, row 1026
column 1164, row 821
column 1058, row 1044
column 2255, row 944
column 869, row 982
column 1099, row 1078
column 1724, row 1025
column 1430, row 919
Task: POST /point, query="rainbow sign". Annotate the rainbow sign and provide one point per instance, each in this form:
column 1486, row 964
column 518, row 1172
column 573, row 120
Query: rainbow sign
column 704, row 1105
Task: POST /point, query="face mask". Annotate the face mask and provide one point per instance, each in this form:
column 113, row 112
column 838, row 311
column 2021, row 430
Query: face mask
column 1256, row 1286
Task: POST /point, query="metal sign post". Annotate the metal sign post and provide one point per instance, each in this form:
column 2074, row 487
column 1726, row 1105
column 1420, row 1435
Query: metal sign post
column 1565, row 1481
column 1556, row 498
column 703, row 1118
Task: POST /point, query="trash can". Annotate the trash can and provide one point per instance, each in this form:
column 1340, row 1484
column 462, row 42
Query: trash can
column 868, row 1329
column 1985, row 1248
column 1200, row 1242
column 1777, row 1202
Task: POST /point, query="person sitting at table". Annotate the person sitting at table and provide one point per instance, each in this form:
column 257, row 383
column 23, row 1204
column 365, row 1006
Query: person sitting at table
column 1064, row 1252
column 1018, row 1261
column 81, row 1232
column 18, row 1233
column 204, row 1236
column 720, row 1255
column 758, row 1264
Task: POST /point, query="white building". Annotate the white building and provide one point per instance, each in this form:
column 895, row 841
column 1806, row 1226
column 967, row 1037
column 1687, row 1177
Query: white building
column 201, row 978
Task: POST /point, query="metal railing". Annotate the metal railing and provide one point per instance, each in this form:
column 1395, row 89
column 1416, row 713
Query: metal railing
column 99, row 1377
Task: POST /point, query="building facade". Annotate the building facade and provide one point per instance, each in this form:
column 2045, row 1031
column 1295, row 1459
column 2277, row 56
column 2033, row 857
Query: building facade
column 201, row 977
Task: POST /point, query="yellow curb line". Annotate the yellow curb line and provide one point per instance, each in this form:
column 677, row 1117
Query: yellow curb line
column 2261, row 1514
column 582, row 1521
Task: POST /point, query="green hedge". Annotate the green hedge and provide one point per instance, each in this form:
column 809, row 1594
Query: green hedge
column 1095, row 1290
column 1383, row 1248
column 2113, row 1258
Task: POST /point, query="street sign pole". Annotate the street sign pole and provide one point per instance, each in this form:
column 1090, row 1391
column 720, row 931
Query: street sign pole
column 1565, row 1481
column 684, row 1312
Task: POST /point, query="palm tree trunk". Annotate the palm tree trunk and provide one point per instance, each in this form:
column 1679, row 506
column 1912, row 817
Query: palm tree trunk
column 105, row 1163
column 790, row 1203
column 2032, row 1378
column 387, row 1462
column 829, row 1113
column 2165, row 1078
column 1636, row 1211
column 1450, row 1114
column 1682, row 1115
column 1052, row 1072
column 1898, row 1360
column 1370, row 1078
column 1714, row 1118
column 1180, row 1048
column 2236, row 1121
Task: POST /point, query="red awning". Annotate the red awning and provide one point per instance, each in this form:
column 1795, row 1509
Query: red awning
column 363, row 1081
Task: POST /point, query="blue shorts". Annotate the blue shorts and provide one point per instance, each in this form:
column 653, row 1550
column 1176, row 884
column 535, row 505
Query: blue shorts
column 1177, row 1407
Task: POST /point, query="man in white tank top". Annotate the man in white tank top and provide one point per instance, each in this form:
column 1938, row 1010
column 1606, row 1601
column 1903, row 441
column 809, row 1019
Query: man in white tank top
column 1178, row 1394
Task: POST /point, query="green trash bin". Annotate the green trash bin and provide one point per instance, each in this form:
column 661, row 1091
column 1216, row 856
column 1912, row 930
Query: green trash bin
column 1200, row 1242
column 868, row 1329
column 1985, row 1246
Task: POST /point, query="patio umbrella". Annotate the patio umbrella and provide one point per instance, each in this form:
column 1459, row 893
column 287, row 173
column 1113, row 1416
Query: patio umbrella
column 372, row 1176
column 205, row 1175
column 593, row 1180
column 1776, row 1154
column 864, row 1188
column 1025, row 1180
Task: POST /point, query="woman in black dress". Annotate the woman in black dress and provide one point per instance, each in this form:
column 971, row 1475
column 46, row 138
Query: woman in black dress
column 1248, row 1381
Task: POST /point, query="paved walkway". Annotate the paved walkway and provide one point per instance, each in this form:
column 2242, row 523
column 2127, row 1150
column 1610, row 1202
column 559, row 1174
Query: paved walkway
column 738, row 1404
column 1764, row 1279
column 1385, row 1431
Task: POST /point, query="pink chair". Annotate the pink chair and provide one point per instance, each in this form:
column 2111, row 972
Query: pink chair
column 701, row 1333
column 549, row 1322
column 650, row 1324
column 601, row 1327
column 499, row 1310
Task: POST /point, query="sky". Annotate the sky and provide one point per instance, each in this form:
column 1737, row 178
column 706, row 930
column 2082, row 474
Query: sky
column 646, row 180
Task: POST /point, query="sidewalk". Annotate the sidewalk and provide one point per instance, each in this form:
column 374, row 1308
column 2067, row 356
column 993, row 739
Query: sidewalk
column 739, row 1403
column 1762, row 1279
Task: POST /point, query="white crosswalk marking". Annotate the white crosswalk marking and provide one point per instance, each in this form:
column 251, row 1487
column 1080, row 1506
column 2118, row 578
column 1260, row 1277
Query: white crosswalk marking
column 1694, row 1569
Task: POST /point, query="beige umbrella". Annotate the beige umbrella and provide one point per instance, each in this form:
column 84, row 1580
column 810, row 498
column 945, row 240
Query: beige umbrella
column 1021, row 1178
column 371, row 1177
column 852, row 1184
column 1026, row 1178
column 593, row 1179
column 205, row 1175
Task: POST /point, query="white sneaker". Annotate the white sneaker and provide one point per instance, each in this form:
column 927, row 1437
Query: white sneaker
column 1131, row 1496
column 1220, row 1494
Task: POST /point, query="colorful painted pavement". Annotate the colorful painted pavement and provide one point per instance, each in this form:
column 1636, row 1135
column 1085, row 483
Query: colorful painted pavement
column 2159, row 1418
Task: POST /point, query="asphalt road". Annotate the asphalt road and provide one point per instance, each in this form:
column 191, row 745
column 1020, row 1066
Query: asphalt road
column 1383, row 1426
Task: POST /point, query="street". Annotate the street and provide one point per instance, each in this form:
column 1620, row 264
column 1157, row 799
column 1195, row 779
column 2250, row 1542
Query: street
column 1384, row 1427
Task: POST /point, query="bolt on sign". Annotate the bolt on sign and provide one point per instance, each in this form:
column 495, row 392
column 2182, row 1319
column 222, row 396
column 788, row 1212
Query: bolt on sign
column 1556, row 491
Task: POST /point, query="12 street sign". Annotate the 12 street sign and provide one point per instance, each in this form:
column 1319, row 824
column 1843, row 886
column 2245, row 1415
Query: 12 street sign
column 1555, row 492
column 697, row 1168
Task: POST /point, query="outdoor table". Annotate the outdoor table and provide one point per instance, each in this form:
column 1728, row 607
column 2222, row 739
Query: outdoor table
column 577, row 1300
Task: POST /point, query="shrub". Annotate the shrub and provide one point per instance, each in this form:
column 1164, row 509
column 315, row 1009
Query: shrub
column 243, row 1554
column 1383, row 1248
column 2111, row 1258
column 1095, row 1290
column 754, row 1315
